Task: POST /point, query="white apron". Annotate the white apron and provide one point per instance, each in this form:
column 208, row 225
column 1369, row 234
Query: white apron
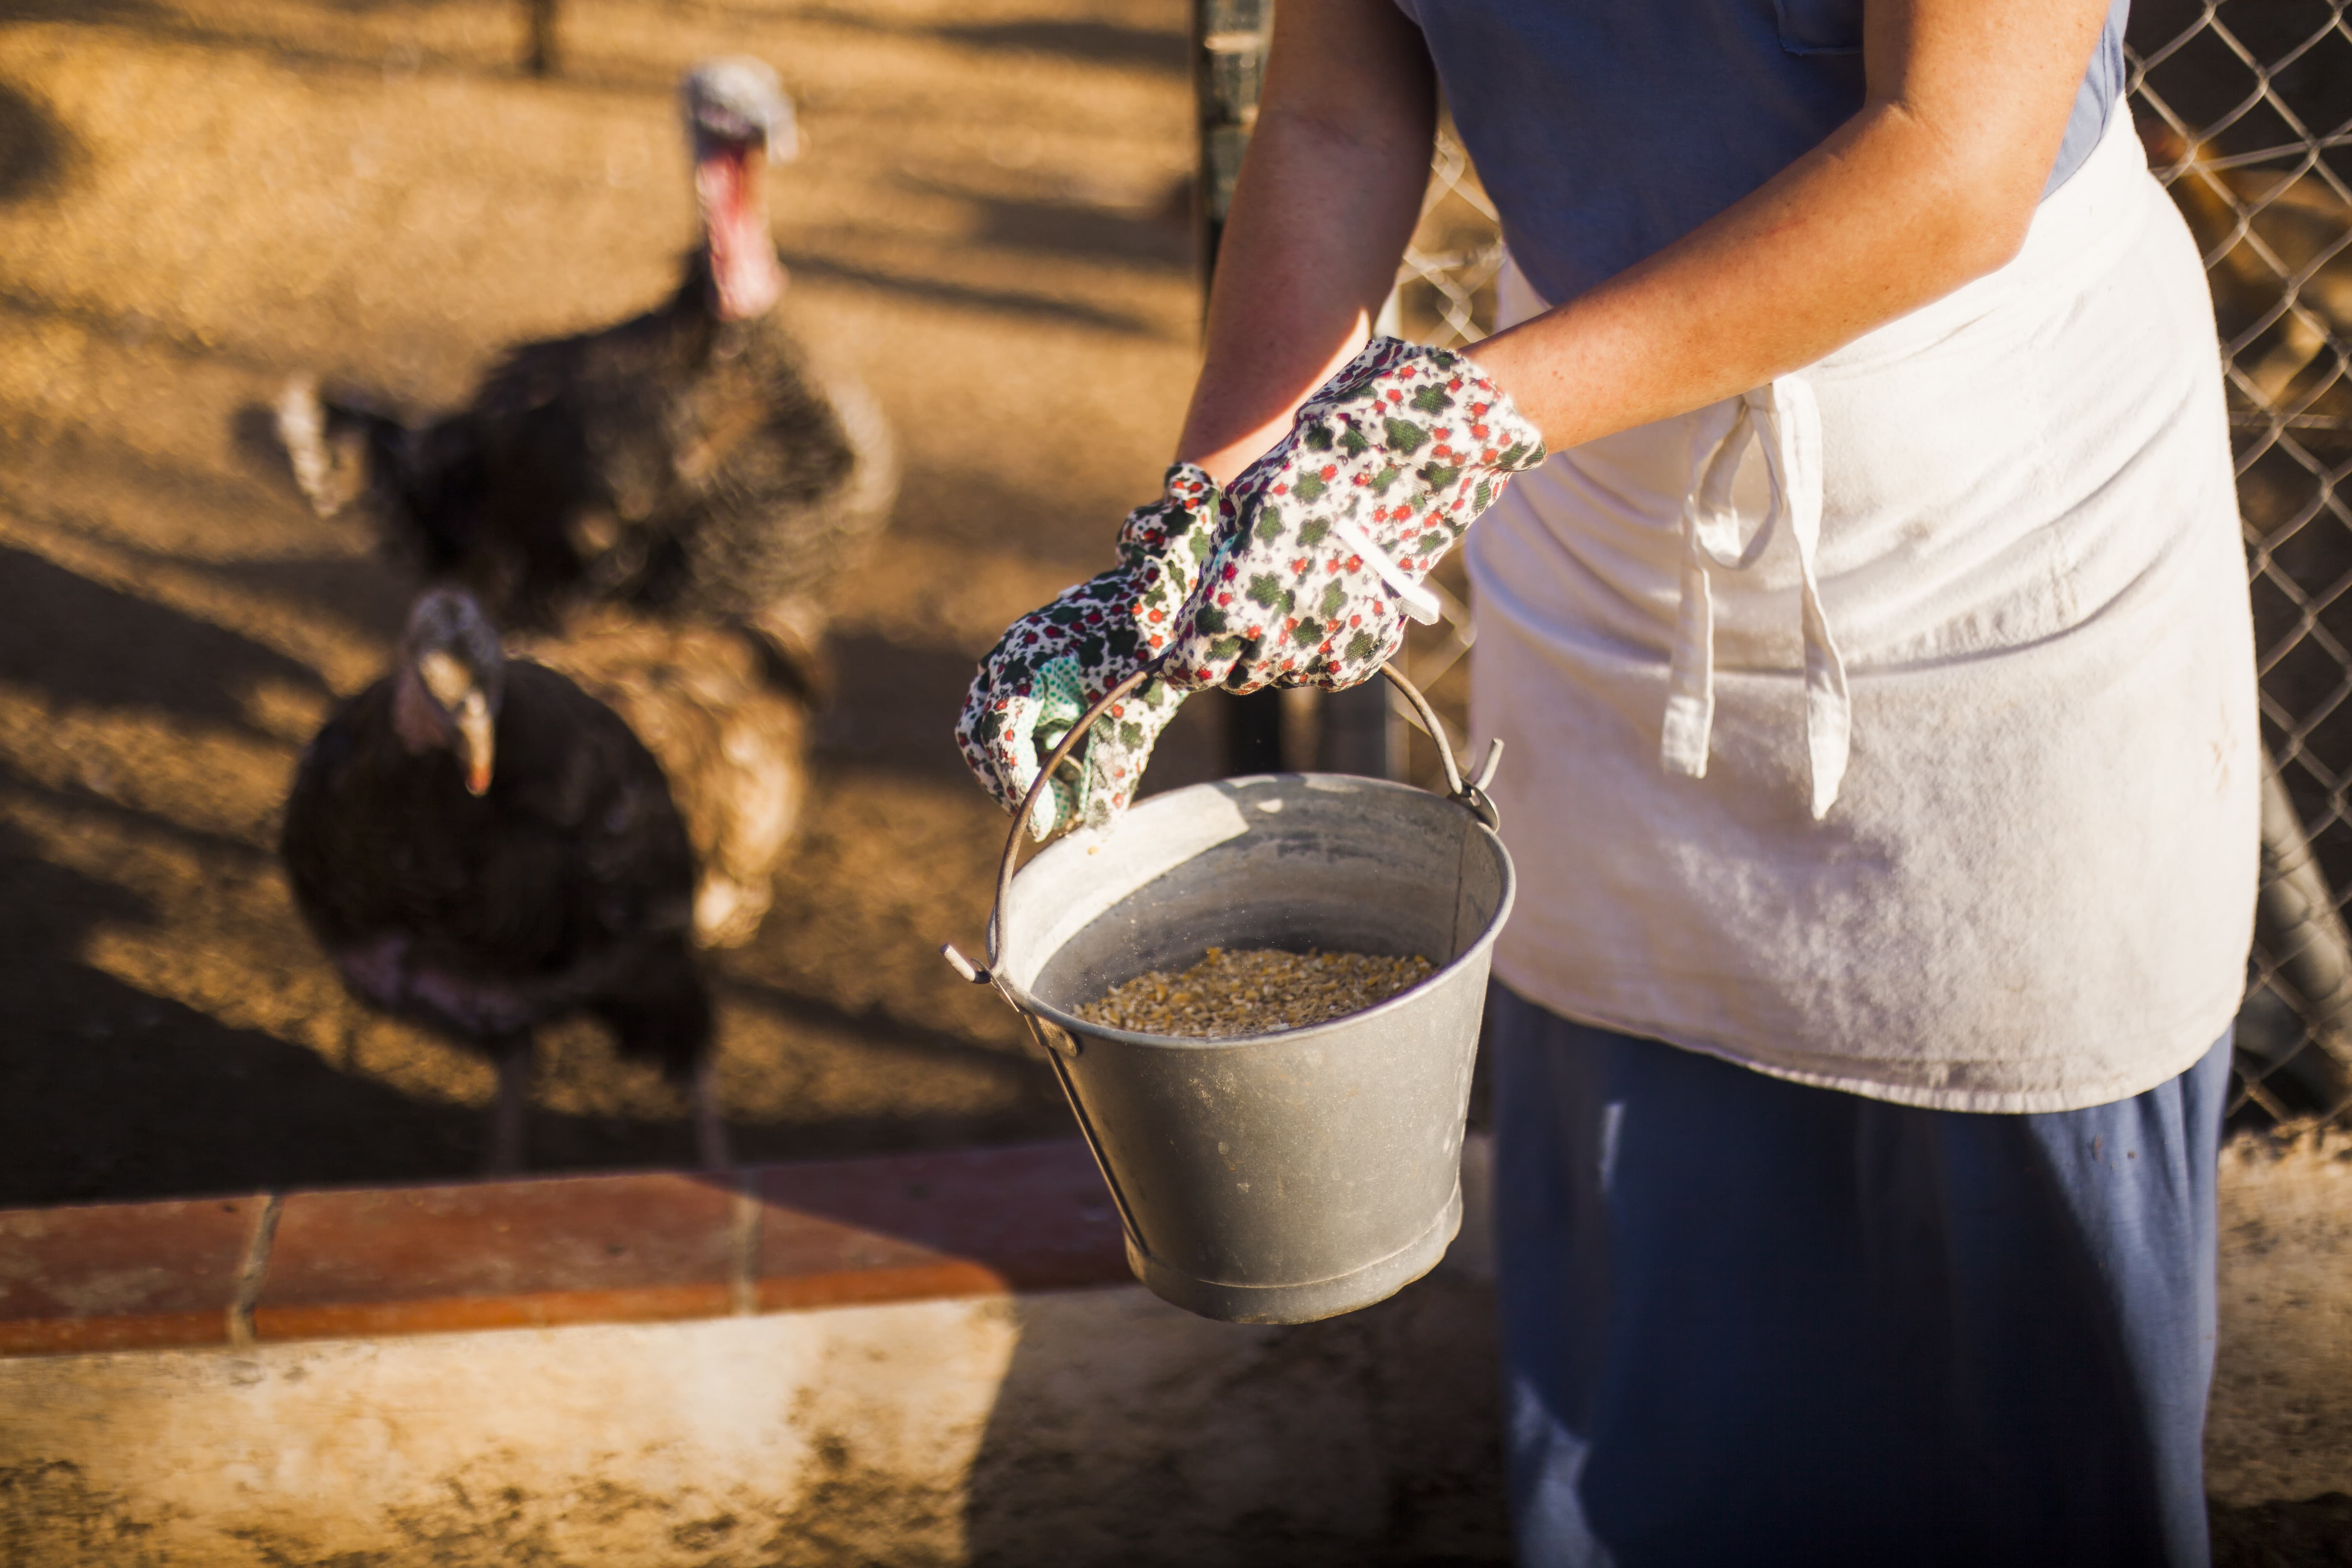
column 1892, row 728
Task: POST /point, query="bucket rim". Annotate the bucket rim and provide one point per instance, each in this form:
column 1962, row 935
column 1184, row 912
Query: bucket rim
column 1027, row 1001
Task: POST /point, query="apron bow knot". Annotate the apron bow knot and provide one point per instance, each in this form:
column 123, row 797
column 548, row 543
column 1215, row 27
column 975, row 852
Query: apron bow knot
column 1786, row 420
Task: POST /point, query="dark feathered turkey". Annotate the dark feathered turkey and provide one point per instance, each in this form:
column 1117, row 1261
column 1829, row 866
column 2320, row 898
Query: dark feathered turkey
column 481, row 845
column 688, row 463
column 732, row 744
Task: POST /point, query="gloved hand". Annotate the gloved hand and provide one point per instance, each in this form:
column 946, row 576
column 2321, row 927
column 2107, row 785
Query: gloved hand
column 1330, row 531
column 1052, row 664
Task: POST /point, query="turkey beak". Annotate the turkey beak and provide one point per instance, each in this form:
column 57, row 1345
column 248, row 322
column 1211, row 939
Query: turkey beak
column 780, row 135
column 475, row 742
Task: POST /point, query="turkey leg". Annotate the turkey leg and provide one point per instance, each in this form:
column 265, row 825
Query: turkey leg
column 509, row 1116
column 710, row 1125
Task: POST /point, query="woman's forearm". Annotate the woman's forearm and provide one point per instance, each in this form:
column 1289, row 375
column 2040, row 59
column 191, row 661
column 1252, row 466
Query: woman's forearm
column 1328, row 195
column 1931, row 185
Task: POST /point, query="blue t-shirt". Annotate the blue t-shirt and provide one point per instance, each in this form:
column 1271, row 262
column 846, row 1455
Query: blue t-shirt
column 1605, row 130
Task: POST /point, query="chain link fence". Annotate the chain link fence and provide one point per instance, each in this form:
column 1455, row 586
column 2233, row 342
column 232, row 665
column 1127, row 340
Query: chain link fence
column 1445, row 296
column 2246, row 107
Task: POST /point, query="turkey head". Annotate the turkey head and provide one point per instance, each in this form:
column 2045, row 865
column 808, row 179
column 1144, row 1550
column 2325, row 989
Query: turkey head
column 737, row 118
column 446, row 696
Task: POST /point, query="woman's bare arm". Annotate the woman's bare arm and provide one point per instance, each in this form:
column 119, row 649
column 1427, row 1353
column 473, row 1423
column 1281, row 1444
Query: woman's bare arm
column 1930, row 186
column 1328, row 195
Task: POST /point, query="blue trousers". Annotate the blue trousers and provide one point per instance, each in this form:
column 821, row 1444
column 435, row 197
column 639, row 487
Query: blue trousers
column 1747, row 1322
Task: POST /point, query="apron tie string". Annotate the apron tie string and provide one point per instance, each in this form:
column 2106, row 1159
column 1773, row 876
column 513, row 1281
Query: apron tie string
column 1784, row 417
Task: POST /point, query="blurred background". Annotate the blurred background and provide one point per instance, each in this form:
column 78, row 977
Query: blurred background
column 991, row 224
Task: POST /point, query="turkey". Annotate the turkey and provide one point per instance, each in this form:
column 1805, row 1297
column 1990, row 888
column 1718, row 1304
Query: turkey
column 688, row 464
column 481, row 847
column 733, row 745
column 656, row 509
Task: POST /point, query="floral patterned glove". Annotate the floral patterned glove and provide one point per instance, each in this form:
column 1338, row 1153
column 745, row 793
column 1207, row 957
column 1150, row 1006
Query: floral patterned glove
column 1384, row 468
column 1051, row 664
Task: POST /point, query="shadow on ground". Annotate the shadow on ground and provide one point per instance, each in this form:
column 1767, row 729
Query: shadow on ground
column 161, row 1097
column 1386, row 1421
column 35, row 150
column 85, row 643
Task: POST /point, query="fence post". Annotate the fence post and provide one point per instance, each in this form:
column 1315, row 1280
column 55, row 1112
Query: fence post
column 541, row 55
column 1229, row 43
column 2297, row 923
column 1229, row 40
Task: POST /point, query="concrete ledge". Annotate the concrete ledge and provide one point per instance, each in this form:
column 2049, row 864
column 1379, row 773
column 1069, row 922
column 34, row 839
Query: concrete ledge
column 902, row 1361
column 643, row 1247
column 905, row 1360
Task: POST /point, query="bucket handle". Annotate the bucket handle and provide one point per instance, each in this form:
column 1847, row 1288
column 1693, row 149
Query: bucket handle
column 1470, row 794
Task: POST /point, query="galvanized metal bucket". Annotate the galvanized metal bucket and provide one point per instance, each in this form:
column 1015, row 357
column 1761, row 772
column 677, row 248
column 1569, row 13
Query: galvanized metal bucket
column 1283, row 1177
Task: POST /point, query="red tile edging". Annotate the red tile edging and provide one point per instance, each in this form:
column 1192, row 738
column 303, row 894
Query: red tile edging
column 633, row 1247
column 498, row 1255
column 108, row 1276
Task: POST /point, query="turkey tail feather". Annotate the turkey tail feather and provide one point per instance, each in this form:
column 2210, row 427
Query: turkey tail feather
column 302, row 429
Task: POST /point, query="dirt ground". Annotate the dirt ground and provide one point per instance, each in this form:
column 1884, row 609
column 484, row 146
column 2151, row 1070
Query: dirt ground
column 198, row 200
column 2280, row 1422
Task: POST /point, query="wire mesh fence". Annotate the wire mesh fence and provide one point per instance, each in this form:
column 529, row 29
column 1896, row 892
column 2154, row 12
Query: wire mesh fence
column 1445, row 296
column 1446, row 285
column 2246, row 108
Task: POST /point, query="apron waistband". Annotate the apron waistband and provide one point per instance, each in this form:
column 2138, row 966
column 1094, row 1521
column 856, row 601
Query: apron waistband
column 2079, row 232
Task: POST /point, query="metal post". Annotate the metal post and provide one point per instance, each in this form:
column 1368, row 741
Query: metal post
column 541, row 56
column 2297, row 925
column 1229, row 42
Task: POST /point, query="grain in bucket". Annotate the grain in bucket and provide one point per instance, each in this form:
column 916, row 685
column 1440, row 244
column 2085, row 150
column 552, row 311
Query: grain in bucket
column 1291, row 1175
